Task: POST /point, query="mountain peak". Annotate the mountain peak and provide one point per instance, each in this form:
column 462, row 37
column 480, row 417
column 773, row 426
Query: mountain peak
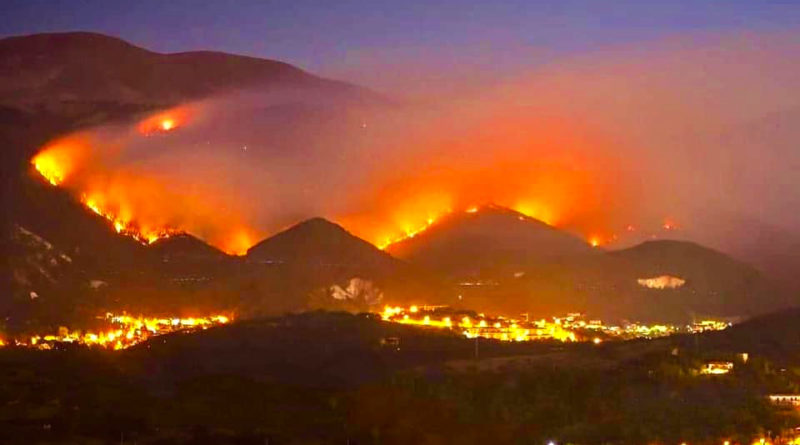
column 184, row 245
column 94, row 68
column 487, row 236
column 318, row 240
column 64, row 41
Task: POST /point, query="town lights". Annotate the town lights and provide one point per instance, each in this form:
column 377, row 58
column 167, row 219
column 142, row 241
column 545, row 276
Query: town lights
column 571, row 328
column 124, row 331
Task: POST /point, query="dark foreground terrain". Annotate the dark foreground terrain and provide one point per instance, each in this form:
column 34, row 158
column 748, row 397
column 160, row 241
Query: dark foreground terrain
column 338, row 378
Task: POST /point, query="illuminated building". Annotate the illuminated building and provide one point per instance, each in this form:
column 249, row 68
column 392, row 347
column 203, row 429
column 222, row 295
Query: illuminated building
column 785, row 399
column 717, row 367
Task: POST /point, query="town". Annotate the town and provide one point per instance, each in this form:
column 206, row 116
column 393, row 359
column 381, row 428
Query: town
column 572, row 327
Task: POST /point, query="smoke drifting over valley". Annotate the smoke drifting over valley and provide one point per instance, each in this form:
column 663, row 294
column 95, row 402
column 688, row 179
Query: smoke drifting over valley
column 666, row 140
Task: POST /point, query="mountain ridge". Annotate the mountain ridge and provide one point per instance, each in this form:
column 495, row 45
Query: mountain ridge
column 73, row 70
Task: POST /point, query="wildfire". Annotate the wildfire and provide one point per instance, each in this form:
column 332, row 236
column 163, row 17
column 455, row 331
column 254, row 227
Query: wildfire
column 135, row 204
column 536, row 210
column 48, row 167
column 149, row 207
column 126, row 226
column 58, row 161
column 164, row 122
column 125, row 331
column 410, row 232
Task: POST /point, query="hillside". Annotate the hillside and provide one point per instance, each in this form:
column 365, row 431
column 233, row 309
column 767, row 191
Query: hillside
column 51, row 70
column 499, row 260
column 186, row 247
column 317, row 348
column 52, row 84
column 319, row 241
column 490, row 242
column 775, row 336
column 317, row 254
column 715, row 283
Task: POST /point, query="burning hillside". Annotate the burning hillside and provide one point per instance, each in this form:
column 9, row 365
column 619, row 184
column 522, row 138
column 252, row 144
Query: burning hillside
column 136, row 202
column 165, row 175
column 556, row 145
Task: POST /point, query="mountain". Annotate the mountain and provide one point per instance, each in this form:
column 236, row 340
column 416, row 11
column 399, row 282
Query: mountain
column 712, row 283
column 318, row 241
column 186, row 247
column 489, row 242
column 314, row 348
column 53, row 84
column 334, row 269
column 713, row 277
column 774, row 336
column 51, row 70
column 499, row 260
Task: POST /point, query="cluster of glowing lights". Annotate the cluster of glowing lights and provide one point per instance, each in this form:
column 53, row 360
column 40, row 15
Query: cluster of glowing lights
column 572, row 327
column 794, row 440
column 497, row 328
column 717, row 368
column 661, row 282
column 124, row 331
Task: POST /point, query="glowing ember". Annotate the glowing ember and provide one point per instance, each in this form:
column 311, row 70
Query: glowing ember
column 669, row 224
column 164, row 122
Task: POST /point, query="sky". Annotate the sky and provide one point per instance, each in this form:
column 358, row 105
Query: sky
column 357, row 39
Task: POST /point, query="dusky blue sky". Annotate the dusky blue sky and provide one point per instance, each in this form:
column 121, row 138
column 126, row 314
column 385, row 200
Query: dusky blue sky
column 320, row 34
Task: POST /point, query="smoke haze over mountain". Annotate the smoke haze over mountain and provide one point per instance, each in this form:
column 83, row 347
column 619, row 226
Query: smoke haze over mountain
column 686, row 138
